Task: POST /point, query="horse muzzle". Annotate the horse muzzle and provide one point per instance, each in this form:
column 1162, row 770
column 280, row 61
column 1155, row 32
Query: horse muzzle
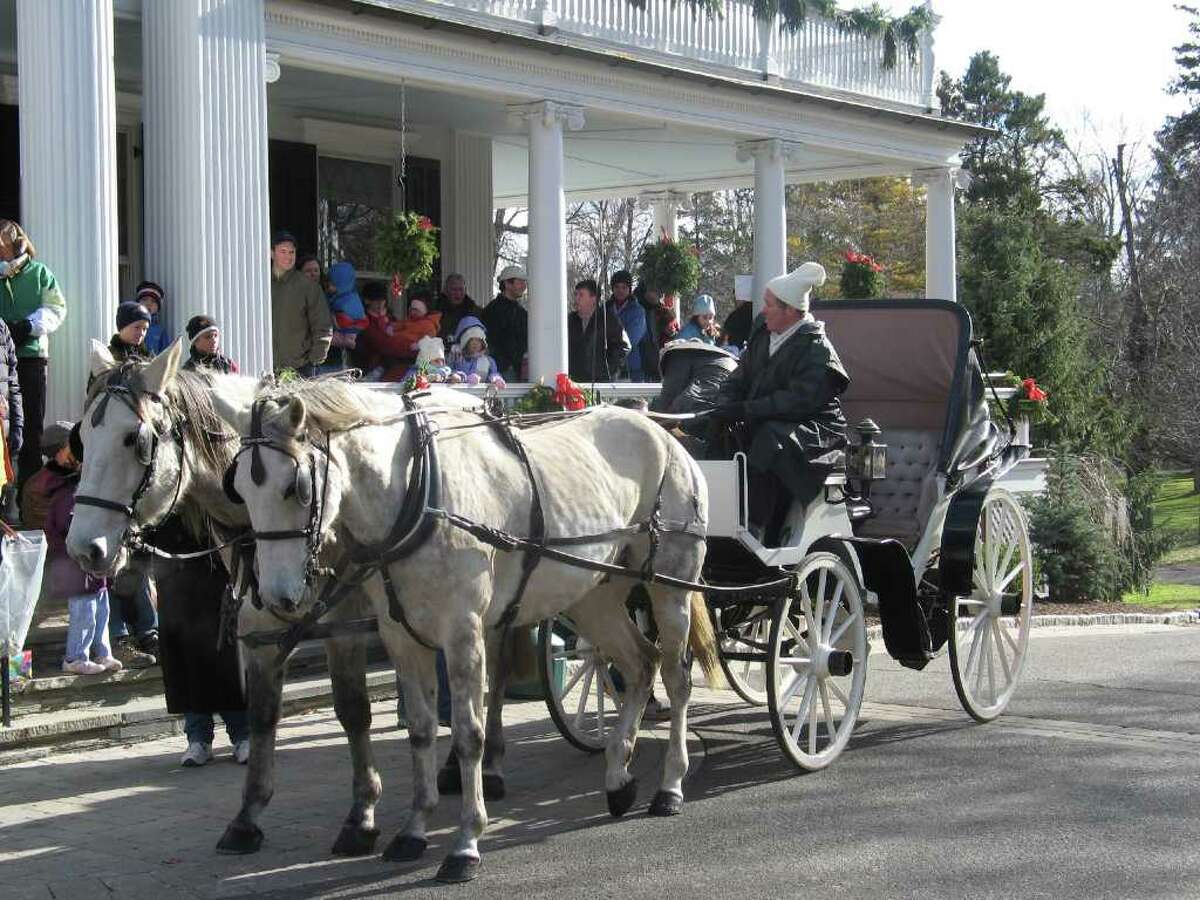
column 98, row 556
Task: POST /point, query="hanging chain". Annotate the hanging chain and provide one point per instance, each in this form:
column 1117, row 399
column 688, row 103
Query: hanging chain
column 403, row 168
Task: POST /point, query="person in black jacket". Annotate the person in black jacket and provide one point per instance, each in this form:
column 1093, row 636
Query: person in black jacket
column 12, row 418
column 596, row 342
column 785, row 392
column 455, row 304
column 507, row 323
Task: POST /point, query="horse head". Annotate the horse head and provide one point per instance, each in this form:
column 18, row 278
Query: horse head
column 290, row 486
column 132, row 466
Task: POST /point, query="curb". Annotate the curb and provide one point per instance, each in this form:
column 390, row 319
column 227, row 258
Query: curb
column 1187, row 617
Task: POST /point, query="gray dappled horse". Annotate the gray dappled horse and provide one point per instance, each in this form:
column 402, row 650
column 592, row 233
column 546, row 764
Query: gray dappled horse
column 315, row 457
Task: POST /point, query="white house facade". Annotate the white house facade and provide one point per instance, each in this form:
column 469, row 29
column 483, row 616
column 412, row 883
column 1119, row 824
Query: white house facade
column 165, row 139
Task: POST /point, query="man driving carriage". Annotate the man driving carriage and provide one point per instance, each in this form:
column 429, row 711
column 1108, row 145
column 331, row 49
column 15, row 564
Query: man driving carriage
column 783, row 401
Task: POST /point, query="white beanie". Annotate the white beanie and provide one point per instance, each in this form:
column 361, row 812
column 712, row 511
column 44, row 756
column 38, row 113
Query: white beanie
column 794, row 287
column 429, row 349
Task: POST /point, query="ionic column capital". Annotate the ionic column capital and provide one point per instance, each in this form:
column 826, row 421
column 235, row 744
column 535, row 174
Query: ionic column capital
column 548, row 113
column 955, row 176
column 767, row 150
column 668, row 197
column 271, row 70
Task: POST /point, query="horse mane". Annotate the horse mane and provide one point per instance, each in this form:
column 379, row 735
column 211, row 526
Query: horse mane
column 188, row 404
column 333, row 404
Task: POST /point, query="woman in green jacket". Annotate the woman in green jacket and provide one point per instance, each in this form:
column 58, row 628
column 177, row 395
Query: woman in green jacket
column 32, row 306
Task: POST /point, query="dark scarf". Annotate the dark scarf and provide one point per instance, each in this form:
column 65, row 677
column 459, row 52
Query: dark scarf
column 214, row 361
column 123, row 352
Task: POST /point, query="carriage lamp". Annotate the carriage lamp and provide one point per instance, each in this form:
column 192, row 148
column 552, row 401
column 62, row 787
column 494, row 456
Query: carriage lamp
column 868, row 460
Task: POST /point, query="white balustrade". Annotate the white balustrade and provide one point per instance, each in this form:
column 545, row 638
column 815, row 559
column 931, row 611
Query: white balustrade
column 817, row 54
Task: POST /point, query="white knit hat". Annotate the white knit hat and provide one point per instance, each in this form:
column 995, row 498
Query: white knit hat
column 794, row 287
column 429, row 349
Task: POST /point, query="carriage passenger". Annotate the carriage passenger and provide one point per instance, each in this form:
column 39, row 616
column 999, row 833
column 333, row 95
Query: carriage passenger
column 785, row 392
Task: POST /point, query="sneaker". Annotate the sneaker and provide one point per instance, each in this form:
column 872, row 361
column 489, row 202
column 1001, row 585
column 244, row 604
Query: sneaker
column 130, row 656
column 148, row 643
column 241, row 752
column 82, row 667
column 196, row 755
column 109, row 664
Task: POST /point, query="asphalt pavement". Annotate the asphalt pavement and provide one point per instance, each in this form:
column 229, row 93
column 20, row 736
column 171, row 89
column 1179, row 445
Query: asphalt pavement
column 1086, row 788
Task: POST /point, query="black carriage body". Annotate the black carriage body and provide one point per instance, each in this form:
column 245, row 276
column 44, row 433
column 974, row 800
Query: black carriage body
column 912, row 368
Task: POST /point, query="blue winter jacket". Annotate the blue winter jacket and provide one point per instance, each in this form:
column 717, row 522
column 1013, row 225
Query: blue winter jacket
column 157, row 339
column 637, row 329
column 349, row 315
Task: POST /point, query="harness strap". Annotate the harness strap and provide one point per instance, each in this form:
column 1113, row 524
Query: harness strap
column 537, row 527
column 396, row 608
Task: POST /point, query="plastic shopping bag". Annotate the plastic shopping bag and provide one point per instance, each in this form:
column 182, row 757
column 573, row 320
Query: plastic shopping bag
column 22, row 559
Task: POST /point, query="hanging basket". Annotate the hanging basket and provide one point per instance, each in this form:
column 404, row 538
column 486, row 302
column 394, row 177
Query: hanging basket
column 407, row 246
column 669, row 267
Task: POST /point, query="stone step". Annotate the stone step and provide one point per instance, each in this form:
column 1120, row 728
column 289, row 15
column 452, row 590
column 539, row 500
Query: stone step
column 138, row 718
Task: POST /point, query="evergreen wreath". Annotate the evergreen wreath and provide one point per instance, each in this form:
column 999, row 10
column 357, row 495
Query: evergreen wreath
column 669, row 267
column 867, row 21
column 407, row 245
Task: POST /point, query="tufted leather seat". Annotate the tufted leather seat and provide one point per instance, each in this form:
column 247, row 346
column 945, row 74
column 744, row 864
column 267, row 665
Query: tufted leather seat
column 904, row 499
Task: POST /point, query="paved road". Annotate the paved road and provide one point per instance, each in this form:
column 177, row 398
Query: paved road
column 1088, row 788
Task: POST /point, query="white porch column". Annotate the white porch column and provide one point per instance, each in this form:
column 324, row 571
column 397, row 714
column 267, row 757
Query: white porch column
column 69, row 175
column 207, row 214
column 468, row 237
column 548, row 306
column 665, row 205
column 770, row 210
column 940, row 267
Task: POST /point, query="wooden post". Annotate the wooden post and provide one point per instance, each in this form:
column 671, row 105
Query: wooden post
column 5, row 695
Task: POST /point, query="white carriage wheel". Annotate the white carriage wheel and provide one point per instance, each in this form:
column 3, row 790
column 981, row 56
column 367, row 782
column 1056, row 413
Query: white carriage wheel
column 817, row 667
column 577, row 685
column 989, row 632
column 748, row 634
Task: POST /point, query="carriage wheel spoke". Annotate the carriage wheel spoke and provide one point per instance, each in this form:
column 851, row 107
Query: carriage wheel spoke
column 996, row 632
column 812, row 729
column 846, row 623
column 802, row 713
column 833, row 686
column 976, row 640
column 991, row 668
column 583, row 698
column 984, row 634
column 1020, row 567
column 601, row 683
column 1008, row 639
column 796, row 661
column 794, row 631
column 827, row 711
column 786, row 697
column 834, row 608
column 579, row 673
column 819, row 604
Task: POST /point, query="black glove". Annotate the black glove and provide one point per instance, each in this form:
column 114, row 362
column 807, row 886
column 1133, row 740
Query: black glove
column 730, row 412
column 20, row 331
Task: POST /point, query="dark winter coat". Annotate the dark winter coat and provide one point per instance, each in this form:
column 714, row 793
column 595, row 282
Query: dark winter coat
column 214, row 361
column 64, row 578
column 123, row 352
column 452, row 315
column 738, row 323
column 507, row 326
column 790, row 404
column 595, row 352
column 12, row 411
column 196, row 676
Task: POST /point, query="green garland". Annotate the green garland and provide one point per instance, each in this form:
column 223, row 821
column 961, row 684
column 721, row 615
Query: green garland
column 540, row 399
column 868, row 21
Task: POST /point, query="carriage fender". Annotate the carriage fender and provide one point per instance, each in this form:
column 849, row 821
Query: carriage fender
column 956, row 566
column 884, row 568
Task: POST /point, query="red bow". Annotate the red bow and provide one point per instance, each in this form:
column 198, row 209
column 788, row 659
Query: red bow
column 1032, row 391
column 568, row 395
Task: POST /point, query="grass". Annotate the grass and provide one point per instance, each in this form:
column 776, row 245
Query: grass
column 1176, row 511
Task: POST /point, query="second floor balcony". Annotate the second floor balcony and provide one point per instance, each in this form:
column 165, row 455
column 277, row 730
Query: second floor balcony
column 818, row 56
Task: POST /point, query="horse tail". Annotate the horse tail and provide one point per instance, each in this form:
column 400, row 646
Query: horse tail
column 703, row 641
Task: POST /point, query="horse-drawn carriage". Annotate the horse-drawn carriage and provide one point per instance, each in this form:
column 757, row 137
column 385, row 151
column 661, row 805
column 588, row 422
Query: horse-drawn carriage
column 914, row 531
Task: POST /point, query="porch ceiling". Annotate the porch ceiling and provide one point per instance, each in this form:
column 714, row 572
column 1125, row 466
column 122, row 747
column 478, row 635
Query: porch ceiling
column 611, row 156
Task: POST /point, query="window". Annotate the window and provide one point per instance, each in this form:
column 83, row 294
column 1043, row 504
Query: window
column 354, row 198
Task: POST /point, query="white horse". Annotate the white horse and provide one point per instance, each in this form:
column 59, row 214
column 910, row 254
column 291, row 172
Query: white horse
column 156, row 444
column 596, row 474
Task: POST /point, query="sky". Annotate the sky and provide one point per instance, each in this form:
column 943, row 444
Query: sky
column 1103, row 65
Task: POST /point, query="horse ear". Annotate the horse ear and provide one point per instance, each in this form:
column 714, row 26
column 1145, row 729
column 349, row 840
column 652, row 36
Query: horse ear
column 297, row 413
column 160, row 374
column 101, row 359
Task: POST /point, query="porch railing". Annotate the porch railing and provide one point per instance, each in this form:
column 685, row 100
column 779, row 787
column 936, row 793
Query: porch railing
column 735, row 43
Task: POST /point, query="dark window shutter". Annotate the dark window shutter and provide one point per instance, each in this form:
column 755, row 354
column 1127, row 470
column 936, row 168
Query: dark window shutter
column 10, row 164
column 293, row 183
column 423, row 195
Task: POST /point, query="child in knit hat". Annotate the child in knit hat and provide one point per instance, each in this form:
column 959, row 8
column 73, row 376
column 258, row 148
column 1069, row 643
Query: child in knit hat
column 469, row 356
column 703, row 324
column 133, row 321
column 431, row 362
column 204, row 336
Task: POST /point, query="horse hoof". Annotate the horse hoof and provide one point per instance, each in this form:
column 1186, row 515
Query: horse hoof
column 666, row 803
column 622, row 798
column 405, row 848
column 449, row 780
column 355, row 841
column 493, row 786
column 457, row 869
column 240, row 839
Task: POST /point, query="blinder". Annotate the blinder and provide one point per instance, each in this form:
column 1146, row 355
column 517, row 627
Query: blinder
column 301, row 487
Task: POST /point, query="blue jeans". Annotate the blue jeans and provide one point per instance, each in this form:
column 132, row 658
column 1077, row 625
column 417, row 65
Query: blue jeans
column 199, row 726
column 87, row 626
column 144, row 618
column 443, row 691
